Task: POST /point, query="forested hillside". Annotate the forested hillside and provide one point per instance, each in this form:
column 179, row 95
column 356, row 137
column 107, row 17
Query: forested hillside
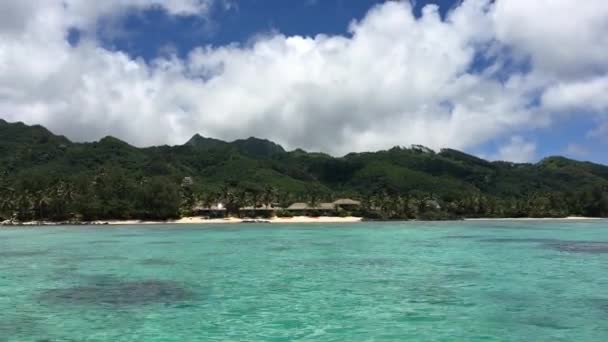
column 46, row 176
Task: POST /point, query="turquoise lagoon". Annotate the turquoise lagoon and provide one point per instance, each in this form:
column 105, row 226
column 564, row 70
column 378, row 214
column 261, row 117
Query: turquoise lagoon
column 414, row 281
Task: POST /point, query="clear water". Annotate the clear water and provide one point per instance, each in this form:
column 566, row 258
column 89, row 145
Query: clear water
column 455, row 281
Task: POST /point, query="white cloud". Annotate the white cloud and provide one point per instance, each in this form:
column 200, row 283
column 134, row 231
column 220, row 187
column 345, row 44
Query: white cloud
column 517, row 150
column 564, row 38
column 28, row 17
column 565, row 42
column 394, row 80
column 579, row 95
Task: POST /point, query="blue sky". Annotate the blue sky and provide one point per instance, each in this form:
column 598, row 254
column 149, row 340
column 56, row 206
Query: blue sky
column 146, row 33
column 501, row 79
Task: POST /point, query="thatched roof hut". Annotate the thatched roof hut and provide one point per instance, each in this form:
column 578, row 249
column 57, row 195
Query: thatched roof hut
column 346, row 201
column 301, row 206
column 218, row 207
column 260, row 208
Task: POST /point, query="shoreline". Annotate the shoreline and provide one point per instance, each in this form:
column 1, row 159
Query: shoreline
column 274, row 220
column 567, row 218
column 193, row 221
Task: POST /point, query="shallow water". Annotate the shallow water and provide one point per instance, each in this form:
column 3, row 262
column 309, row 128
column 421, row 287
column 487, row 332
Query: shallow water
column 453, row 281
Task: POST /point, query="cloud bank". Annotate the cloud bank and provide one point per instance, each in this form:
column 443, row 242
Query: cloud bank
column 517, row 150
column 487, row 70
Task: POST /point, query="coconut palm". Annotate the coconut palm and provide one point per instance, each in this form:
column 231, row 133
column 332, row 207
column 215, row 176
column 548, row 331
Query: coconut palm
column 269, row 196
column 24, row 206
column 42, row 201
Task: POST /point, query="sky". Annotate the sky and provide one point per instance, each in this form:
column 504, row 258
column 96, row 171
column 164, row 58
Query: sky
column 514, row 80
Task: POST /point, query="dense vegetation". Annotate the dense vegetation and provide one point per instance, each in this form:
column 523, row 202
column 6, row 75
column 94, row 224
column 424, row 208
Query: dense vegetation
column 47, row 177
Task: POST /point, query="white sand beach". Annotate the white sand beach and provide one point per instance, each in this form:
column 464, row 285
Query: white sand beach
column 198, row 220
column 321, row 219
column 274, row 220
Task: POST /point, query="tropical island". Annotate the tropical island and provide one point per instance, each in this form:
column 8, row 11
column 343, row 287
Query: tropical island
column 47, row 177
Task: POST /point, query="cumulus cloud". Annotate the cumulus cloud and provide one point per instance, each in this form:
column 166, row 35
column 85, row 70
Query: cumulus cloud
column 392, row 80
column 517, row 150
column 563, row 38
column 565, row 43
column 28, row 17
column 587, row 94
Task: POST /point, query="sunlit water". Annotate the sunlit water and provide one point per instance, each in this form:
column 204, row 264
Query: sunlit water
column 455, row 281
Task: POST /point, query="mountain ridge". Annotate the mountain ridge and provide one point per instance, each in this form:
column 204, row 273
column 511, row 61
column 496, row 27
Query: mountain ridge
column 198, row 140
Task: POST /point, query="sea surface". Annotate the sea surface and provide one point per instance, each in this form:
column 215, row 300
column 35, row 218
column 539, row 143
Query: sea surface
column 451, row 281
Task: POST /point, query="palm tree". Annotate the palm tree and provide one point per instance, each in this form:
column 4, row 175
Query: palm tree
column 269, row 196
column 209, row 199
column 232, row 199
column 253, row 196
column 7, row 201
column 42, row 201
column 225, row 194
column 62, row 197
column 24, row 206
column 239, row 200
column 367, row 202
column 284, row 199
column 7, row 205
column 312, row 198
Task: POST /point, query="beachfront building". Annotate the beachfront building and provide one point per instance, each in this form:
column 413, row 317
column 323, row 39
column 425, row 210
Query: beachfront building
column 304, row 209
column 347, row 204
column 265, row 210
column 214, row 211
column 269, row 210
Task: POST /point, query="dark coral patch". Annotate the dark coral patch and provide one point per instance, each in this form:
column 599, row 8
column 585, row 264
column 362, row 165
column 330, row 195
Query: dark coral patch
column 596, row 247
column 95, row 242
column 323, row 244
column 105, row 257
column 117, row 293
column 19, row 327
column 280, row 248
column 8, row 254
column 579, row 246
column 519, row 240
column 464, row 237
column 157, row 262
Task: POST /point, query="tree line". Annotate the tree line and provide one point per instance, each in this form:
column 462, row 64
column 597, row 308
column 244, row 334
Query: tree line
column 113, row 194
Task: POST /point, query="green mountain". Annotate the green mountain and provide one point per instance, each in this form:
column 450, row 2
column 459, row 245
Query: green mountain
column 46, row 176
column 204, row 143
column 258, row 148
